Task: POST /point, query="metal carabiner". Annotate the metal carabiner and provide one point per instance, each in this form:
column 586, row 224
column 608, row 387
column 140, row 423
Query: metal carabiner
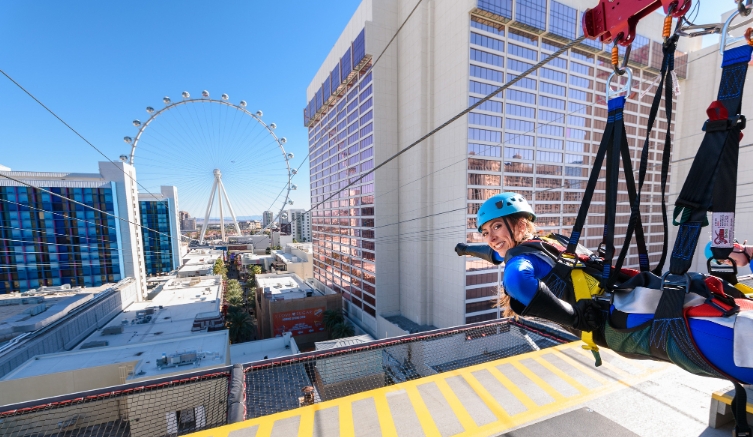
column 724, row 39
column 616, row 58
column 626, row 88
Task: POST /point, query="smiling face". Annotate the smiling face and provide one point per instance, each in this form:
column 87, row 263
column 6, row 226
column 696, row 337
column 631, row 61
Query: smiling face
column 497, row 236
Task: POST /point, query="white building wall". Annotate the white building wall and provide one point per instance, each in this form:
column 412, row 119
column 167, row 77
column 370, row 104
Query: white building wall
column 124, row 177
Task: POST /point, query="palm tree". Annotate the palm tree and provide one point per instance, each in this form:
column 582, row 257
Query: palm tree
column 241, row 326
column 219, row 267
column 342, row 330
column 331, row 318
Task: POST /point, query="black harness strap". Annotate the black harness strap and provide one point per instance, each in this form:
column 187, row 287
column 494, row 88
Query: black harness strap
column 711, row 184
column 668, row 65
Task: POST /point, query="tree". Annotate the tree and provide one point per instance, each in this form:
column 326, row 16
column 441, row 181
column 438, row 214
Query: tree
column 219, row 268
column 331, row 318
column 256, row 270
column 241, row 325
column 342, row 330
column 268, row 251
column 234, row 293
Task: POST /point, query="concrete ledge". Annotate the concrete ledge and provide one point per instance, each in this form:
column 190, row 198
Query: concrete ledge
column 720, row 412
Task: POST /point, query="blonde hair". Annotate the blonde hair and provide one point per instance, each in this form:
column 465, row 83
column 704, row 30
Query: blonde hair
column 503, row 301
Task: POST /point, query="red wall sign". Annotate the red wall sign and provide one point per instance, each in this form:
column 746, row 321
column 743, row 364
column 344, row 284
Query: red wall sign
column 298, row 322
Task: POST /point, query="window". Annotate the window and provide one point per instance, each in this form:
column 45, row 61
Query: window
column 488, row 42
column 503, row 8
column 581, row 69
column 484, row 135
column 487, row 73
column 518, row 181
column 531, row 13
column 550, row 102
column 483, row 165
column 581, row 82
column 522, row 96
column 485, row 120
column 547, row 169
column 550, row 143
column 519, row 140
column 520, row 125
column 524, row 37
column 518, row 167
column 551, row 88
column 487, row 58
column 555, row 131
column 481, row 88
column 562, row 20
column 489, row 105
column 547, row 73
column 522, row 52
column 483, row 179
column 515, row 65
column 483, row 150
column 480, row 23
column 548, row 156
column 551, row 116
column 481, row 193
column 515, row 153
column 520, row 111
column 524, row 82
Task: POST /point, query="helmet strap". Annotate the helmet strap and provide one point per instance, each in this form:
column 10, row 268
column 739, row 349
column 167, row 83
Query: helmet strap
column 509, row 229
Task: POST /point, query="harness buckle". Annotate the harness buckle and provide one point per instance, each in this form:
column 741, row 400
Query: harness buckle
column 675, row 282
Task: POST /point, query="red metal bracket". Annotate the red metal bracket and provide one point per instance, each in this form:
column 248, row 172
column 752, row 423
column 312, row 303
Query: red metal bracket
column 617, row 19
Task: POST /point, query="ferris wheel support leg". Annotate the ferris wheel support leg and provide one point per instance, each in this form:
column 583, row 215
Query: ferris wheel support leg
column 230, row 207
column 222, row 215
column 209, row 211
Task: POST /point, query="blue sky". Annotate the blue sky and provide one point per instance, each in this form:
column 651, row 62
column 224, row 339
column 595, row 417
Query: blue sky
column 99, row 64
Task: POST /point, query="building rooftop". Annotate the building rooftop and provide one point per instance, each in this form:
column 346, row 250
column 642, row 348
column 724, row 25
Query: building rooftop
column 284, row 286
column 170, row 315
column 32, row 310
column 340, row 342
column 210, row 351
column 247, row 352
column 201, row 256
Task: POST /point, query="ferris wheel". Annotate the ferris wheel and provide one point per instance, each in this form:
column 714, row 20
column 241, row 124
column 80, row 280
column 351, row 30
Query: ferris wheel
column 212, row 149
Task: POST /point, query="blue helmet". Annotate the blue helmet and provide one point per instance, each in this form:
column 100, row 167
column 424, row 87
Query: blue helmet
column 501, row 205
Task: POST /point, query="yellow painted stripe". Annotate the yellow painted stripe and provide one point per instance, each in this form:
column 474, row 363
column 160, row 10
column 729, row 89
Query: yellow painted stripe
column 346, row 419
column 722, row 396
column 623, row 374
column 562, row 375
column 306, row 425
column 424, row 417
column 461, row 413
column 488, row 399
column 385, row 416
column 513, row 389
column 557, row 396
column 588, row 370
column 265, row 428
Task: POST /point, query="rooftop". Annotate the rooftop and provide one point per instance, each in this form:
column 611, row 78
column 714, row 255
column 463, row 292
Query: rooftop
column 35, row 309
column 201, row 256
column 263, row 349
column 284, row 286
column 170, row 315
column 210, row 349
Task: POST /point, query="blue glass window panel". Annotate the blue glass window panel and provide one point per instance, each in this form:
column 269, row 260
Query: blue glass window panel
column 484, row 135
column 359, row 48
column 318, row 99
column 548, row 156
column 481, row 88
column 524, row 82
column 485, row 120
column 503, row 8
column 489, row 105
column 488, row 42
column 519, row 125
column 520, row 96
column 547, row 73
column 326, row 90
column 486, row 27
column 516, row 153
column 487, row 58
column 521, row 111
column 520, row 140
column 531, row 13
column 483, row 150
column 487, row 73
column 562, row 20
column 515, row 65
column 551, row 88
column 345, row 66
column 522, row 52
column 334, row 78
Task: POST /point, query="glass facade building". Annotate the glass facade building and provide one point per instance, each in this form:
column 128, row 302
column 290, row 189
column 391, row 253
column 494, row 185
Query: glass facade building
column 158, row 246
column 49, row 241
column 540, row 137
column 340, row 123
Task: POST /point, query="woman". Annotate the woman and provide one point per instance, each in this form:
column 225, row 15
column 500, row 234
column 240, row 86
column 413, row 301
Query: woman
column 506, row 220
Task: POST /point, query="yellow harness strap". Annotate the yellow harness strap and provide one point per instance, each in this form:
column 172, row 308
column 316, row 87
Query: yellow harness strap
column 584, row 291
column 746, row 289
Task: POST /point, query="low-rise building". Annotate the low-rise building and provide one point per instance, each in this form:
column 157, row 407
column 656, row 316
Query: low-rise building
column 296, row 258
column 286, row 303
column 241, row 353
